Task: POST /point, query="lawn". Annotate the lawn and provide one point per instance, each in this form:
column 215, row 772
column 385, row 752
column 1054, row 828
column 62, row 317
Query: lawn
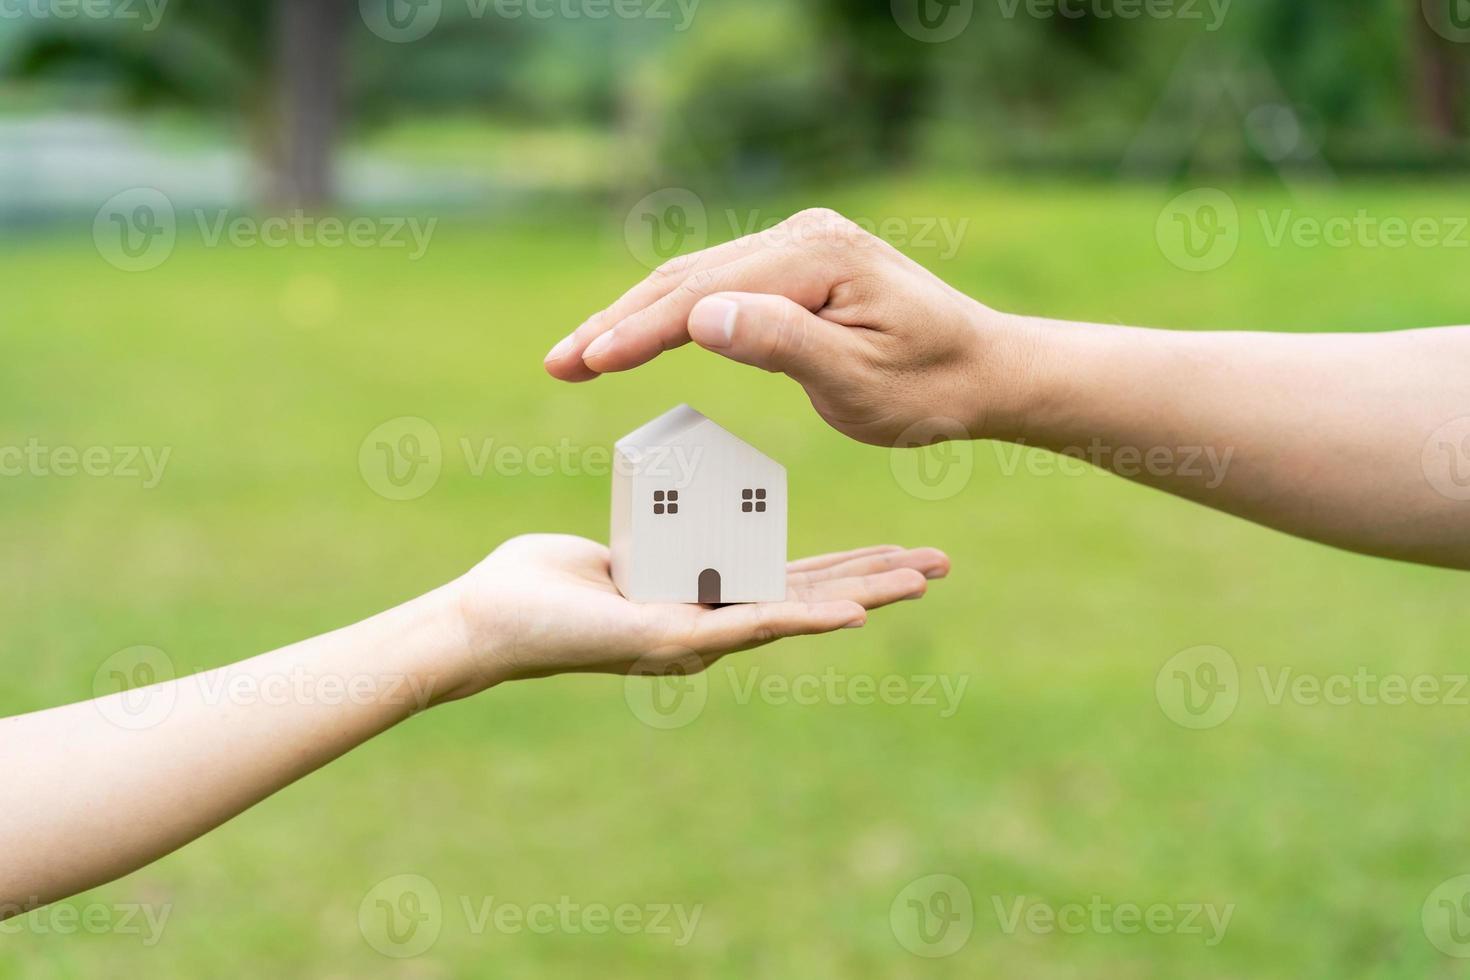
column 792, row 827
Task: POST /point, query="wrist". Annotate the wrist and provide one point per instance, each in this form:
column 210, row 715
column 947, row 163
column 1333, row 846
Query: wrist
column 439, row 640
column 484, row 628
column 1009, row 354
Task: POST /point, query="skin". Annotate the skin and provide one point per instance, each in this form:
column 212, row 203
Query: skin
column 1360, row 441
column 92, row 799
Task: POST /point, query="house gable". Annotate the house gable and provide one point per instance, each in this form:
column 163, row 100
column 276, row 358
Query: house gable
column 682, row 431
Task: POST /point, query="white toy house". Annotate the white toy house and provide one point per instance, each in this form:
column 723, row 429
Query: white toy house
column 697, row 515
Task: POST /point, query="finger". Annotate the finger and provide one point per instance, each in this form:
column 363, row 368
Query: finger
column 825, row 561
column 770, row 332
column 872, row 591
column 733, row 628
column 564, row 362
column 929, row 562
column 565, row 359
column 667, row 277
column 803, row 278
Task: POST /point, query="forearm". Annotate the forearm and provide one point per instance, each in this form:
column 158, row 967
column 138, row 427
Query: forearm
column 1321, row 436
column 94, row 791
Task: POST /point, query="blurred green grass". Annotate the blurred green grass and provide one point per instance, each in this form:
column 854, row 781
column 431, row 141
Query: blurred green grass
column 795, row 826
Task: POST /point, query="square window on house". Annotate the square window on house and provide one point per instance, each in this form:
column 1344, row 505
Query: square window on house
column 753, row 501
column 658, row 508
column 747, row 507
column 760, row 506
column 658, row 496
column 674, row 496
column 760, row 495
column 746, row 494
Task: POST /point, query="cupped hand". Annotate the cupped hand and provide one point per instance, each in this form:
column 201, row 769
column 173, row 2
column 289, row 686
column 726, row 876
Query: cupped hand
column 888, row 353
column 545, row 604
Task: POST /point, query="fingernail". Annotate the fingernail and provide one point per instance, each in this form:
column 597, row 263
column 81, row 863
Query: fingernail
column 934, row 573
column 562, row 346
column 713, row 322
column 911, row 598
column 599, row 345
column 855, row 624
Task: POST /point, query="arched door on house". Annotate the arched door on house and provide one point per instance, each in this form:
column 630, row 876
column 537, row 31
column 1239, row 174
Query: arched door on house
column 709, row 587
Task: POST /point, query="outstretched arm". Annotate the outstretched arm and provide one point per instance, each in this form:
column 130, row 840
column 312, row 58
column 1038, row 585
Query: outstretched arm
column 1348, row 439
column 97, row 789
column 1359, row 441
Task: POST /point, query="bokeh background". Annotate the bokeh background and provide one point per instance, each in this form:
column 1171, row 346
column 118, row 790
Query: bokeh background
column 510, row 167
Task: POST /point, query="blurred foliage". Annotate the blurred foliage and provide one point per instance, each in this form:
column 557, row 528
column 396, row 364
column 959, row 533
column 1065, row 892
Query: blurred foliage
column 763, row 91
column 729, row 109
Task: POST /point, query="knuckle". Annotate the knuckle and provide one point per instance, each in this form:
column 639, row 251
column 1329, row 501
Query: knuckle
column 702, row 283
column 818, row 216
column 825, row 224
column 674, row 267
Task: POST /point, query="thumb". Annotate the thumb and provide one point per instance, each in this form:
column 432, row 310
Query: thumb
column 770, row 332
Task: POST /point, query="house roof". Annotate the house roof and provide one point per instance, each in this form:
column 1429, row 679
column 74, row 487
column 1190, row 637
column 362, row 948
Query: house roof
column 675, row 427
column 662, row 430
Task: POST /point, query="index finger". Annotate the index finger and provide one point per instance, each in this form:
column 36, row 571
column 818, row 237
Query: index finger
column 565, row 359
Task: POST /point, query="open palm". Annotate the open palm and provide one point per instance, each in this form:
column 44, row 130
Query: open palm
column 546, row 604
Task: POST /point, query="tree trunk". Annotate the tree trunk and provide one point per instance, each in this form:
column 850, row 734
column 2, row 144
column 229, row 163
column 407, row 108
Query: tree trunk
column 310, row 42
column 1441, row 78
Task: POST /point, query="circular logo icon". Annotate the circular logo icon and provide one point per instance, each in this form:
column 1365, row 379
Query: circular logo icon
column 667, row 691
column 1275, row 131
column 664, row 224
column 933, row 21
column 1199, row 230
column 1449, row 18
column 401, row 21
column 135, row 231
column 401, row 459
column 1446, row 459
column 401, row 916
column 125, row 688
column 1446, row 917
column 933, row 916
column 933, row 459
column 1199, row 687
